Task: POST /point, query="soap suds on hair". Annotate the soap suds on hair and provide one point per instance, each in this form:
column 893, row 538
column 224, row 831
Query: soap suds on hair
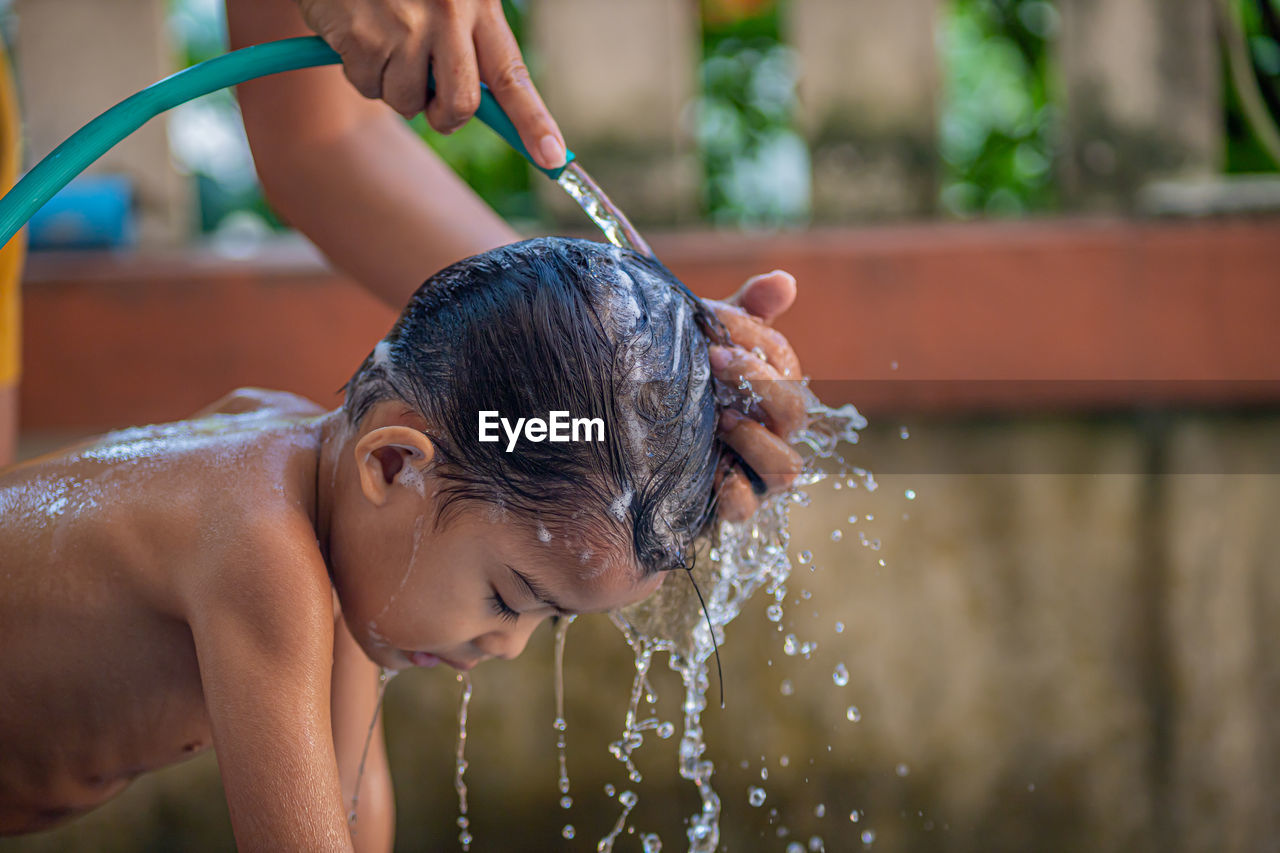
column 543, row 534
column 618, row 509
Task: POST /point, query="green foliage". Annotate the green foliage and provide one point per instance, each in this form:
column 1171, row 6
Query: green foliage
column 1243, row 152
column 996, row 134
column 756, row 167
column 488, row 164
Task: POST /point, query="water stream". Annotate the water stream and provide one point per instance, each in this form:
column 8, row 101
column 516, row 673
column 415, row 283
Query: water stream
column 384, row 677
column 559, row 724
column 460, row 763
column 603, row 212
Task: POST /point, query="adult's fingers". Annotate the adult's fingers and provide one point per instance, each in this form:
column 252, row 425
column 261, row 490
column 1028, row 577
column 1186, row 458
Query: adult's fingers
column 357, row 32
column 750, row 333
column 766, row 296
column 503, row 69
column 453, row 61
column 404, row 79
column 773, row 460
column 785, row 402
column 735, row 501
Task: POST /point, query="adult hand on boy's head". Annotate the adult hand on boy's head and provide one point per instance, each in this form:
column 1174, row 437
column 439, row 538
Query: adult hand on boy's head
column 763, row 356
column 387, row 47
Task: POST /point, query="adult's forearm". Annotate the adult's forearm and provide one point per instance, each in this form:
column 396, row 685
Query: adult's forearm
column 381, row 206
column 348, row 172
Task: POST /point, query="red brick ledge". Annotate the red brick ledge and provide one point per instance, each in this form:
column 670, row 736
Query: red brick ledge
column 1006, row 317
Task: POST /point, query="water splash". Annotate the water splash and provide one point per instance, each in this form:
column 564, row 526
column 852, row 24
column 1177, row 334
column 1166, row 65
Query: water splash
column 460, row 764
column 560, row 725
column 628, row 800
column 603, row 212
column 384, row 678
column 632, row 736
column 745, row 557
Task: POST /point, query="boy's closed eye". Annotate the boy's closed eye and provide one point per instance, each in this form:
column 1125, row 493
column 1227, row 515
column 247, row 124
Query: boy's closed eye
column 500, row 607
column 529, row 589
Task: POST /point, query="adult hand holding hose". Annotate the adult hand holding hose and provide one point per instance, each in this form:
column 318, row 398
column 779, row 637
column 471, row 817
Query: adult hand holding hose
column 388, row 46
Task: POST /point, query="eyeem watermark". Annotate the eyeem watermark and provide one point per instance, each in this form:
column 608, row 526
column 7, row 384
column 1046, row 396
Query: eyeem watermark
column 557, row 427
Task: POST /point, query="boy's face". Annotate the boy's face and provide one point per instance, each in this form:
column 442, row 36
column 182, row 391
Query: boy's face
column 471, row 589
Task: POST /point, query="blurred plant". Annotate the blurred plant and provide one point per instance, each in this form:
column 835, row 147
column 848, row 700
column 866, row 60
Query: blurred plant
column 756, row 167
column 997, row 119
column 1260, row 20
column 206, row 136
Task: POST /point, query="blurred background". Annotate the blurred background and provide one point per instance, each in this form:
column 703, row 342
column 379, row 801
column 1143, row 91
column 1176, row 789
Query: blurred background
column 1038, row 245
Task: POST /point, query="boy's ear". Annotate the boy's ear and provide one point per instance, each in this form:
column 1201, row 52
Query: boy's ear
column 383, row 453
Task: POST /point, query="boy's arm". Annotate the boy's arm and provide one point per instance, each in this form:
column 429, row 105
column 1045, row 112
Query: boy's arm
column 354, row 704
column 263, row 630
column 350, row 174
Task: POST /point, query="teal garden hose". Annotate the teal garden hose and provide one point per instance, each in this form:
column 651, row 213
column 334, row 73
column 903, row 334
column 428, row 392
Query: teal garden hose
column 98, row 136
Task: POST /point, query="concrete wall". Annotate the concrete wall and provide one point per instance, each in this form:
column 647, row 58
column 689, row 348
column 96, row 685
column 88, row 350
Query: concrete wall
column 1141, row 91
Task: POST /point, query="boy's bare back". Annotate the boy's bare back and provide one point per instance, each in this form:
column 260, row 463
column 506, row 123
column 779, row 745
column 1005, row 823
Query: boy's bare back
column 154, row 580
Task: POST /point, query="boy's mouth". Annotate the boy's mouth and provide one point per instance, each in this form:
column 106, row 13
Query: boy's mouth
column 428, row 660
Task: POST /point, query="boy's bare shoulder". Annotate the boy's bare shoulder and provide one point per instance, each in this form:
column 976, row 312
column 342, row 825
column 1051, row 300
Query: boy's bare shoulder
column 249, row 399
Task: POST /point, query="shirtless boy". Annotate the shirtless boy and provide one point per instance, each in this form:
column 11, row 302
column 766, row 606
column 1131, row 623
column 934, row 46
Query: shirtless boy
column 236, row 580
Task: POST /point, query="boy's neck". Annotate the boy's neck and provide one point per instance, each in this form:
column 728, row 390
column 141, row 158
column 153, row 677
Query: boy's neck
column 334, row 433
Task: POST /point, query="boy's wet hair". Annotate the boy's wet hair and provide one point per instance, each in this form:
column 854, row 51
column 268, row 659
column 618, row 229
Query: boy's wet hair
column 555, row 324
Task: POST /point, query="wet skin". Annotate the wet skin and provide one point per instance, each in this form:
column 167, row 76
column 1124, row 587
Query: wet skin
column 172, row 588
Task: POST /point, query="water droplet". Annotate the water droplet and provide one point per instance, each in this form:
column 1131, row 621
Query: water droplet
column 755, row 796
column 902, row 770
column 804, row 557
column 837, row 535
column 816, row 845
column 774, row 612
column 911, row 494
column 566, row 802
column 841, row 675
column 839, row 627
column 651, row 843
column 790, row 646
column 783, row 761
column 805, row 594
column 787, row 688
column 764, row 774
column 854, row 816
column 903, row 433
column 609, row 790
column 666, row 730
column 868, row 837
column 820, row 810
column 1031, row 786
column 853, row 714
column 893, row 365
column 795, row 847
column 628, row 798
column 567, row 832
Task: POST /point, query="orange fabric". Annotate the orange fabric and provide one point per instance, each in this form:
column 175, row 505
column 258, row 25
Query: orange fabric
column 13, row 254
